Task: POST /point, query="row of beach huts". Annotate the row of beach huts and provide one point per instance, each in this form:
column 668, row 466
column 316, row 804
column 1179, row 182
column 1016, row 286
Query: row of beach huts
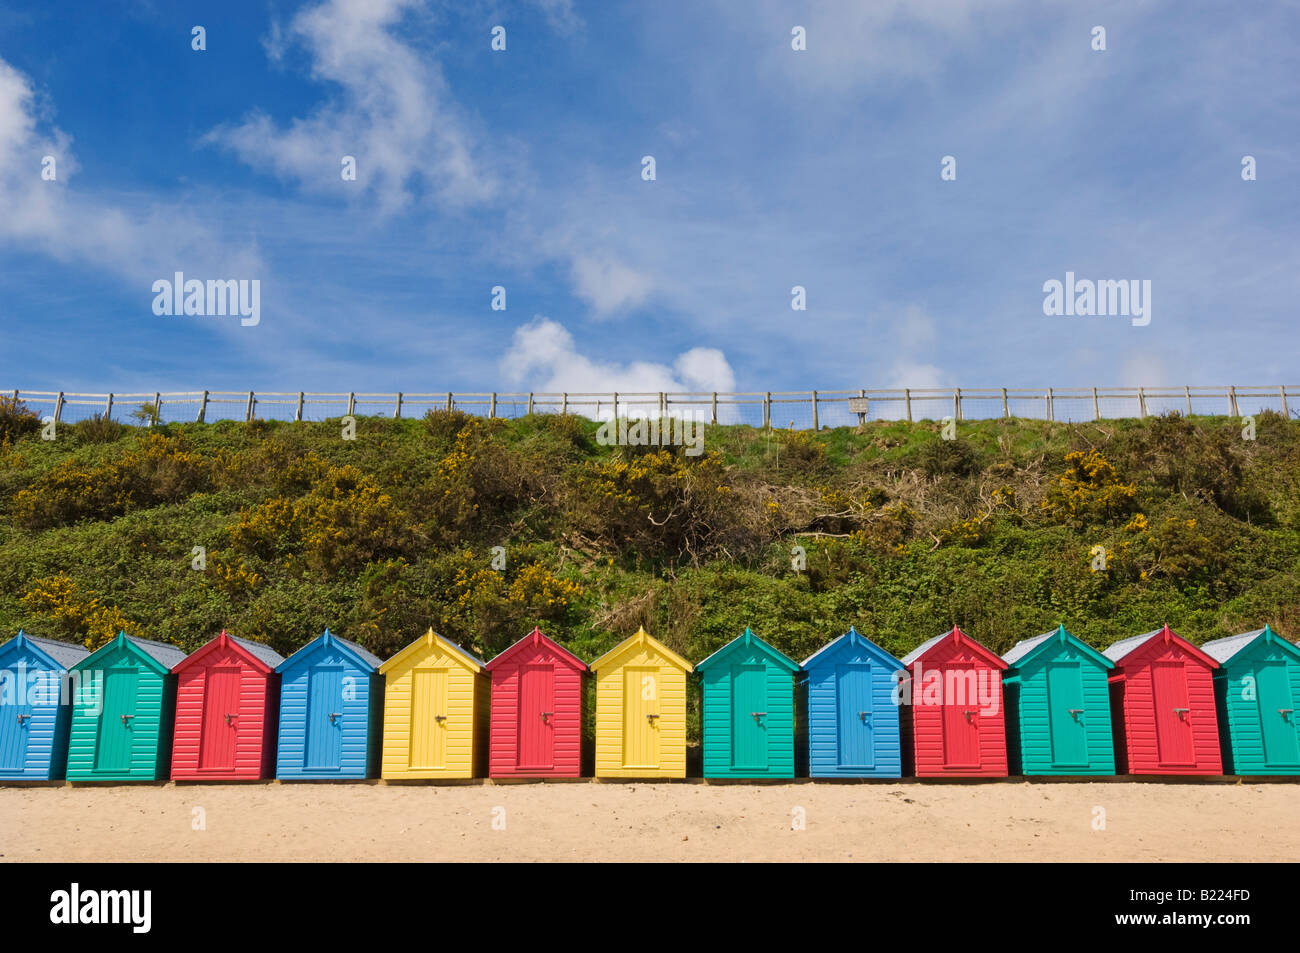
column 1154, row 704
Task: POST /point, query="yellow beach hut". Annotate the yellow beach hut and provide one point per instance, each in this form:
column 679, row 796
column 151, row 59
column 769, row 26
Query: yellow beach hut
column 641, row 710
column 435, row 712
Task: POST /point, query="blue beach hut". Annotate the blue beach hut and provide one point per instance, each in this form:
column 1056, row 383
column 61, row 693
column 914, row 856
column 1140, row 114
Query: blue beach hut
column 35, row 707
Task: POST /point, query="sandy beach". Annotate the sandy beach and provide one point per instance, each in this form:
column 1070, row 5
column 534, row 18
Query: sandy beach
column 688, row 821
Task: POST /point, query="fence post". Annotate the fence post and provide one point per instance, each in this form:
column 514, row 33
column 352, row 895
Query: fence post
column 157, row 406
column 530, row 403
column 1232, row 400
column 492, row 408
column 663, row 405
column 1187, row 390
column 352, row 402
column 203, row 408
column 248, row 417
column 564, row 403
column 1006, row 412
column 397, row 411
column 1051, row 409
column 767, row 410
column 907, row 399
column 1281, row 389
column 1096, row 406
column 449, row 400
column 956, row 403
column 1142, row 403
column 616, row 407
column 816, row 422
column 58, row 408
column 862, row 418
column 715, row 408
column 297, row 414
column 108, row 408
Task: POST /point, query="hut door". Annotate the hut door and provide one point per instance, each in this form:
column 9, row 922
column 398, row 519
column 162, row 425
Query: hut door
column 116, row 720
column 16, row 719
column 1065, row 714
column 220, row 729
column 857, row 732
column 1173, row 715
column 1277, row 714
column 641, row 716
column 749, row 717
column 428, row 744
column 325, row 718
column 960, row 713
column 536, row 716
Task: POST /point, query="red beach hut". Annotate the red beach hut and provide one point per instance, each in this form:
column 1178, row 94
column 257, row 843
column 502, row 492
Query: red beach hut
column 537, row 694
column 955, row 724
column 1162, row 706
column 227, row 700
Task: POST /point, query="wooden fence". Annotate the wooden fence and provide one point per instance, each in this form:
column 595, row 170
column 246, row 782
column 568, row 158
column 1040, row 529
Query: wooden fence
column 801, row 409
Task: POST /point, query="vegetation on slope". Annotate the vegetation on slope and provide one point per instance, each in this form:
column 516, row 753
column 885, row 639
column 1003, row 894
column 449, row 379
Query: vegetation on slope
column 905, row 534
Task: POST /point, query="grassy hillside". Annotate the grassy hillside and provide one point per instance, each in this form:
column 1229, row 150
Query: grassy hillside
column 905, row 534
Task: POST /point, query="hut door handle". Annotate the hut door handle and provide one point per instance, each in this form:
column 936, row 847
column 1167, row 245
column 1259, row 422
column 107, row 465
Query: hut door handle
column 334, row 715
column 229, row 717
column 1075, row 713
column 546, row 715
column 969, row 714
column 651, row 718
column 757, row 715
column 22, row 717
column 440, row 718
column 124, row 719
column 1281, row 711
column 1181, row 712
column 862, row 716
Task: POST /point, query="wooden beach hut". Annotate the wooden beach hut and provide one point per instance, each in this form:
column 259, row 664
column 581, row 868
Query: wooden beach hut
column 847, row 710
column 227, row 700
column 35, row 707
column 747, row 710
column 1058, row 707
column 123, row 709
column 435, row 711
column 331, row 694
column 538, row 688
column 641, row 710
column 1162, row 705
column 955, row 725
column 1257, row 687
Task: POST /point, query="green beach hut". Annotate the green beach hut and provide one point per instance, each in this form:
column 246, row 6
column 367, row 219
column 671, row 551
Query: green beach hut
column 123, row 709
column 1058, row 707
column 1257, row 688
column 747, row 712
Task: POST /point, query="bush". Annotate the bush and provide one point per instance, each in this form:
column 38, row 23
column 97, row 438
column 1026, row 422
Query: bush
column 17, row 420
column 99, row 429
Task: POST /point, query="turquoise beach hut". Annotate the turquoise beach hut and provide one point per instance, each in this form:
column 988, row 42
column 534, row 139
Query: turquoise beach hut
column 1256, row 688
column 748, row 710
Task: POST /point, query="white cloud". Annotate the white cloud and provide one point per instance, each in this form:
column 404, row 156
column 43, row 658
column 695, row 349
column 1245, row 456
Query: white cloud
column 609, row 285
column 393, row 113
column 560, row 15
column 544, row 354
column 139, row 241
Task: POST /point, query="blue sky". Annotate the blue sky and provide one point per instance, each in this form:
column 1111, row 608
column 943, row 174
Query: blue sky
column 522, row 168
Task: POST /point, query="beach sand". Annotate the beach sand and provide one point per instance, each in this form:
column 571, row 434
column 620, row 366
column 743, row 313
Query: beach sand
column 632, row 821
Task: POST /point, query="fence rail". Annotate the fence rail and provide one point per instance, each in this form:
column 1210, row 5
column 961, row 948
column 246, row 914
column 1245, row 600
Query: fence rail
column 804, row 409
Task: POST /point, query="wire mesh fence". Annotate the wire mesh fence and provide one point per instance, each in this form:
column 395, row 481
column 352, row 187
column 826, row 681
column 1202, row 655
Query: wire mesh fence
column 799, row 410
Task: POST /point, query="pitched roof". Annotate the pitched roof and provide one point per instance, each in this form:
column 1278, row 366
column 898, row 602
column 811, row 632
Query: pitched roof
column 63, row 654
column 962, row 638
column 642, row 637
column 1222, row 650
column 536, row 637
column 429, row 638
column 750, row 639
column 1026, row 648
column 1125, row 647
column 164, row 653
column 260, row 651
column 851, row 635
column 328, row 637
